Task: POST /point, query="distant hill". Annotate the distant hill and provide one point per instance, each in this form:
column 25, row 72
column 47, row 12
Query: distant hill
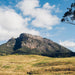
column 30, row 44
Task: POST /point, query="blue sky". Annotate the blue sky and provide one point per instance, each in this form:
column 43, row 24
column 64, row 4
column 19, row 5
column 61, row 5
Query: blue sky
column 37, row 17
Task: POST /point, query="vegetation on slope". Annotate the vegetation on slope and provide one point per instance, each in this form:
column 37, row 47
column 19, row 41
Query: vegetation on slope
column 36, row 65
column 29, row 44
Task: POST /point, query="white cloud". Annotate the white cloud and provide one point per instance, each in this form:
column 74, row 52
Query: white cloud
column 68, row 44
column 12, row 24
column 42, row 15
column 27, row 20
column 28, row 6
column 47, row 6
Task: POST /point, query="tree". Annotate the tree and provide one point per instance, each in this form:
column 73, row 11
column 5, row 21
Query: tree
column 69, row 16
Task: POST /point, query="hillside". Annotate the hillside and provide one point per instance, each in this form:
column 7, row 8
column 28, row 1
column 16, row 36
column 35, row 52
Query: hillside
column 36, row 65
column 29, row 44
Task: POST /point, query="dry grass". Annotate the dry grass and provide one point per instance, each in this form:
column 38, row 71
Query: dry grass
column 36, row 65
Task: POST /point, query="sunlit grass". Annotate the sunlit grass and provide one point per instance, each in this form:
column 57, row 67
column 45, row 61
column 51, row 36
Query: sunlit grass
column 35, row 64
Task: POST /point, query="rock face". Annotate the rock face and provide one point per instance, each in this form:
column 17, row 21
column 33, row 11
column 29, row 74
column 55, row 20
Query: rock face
column 29, row 44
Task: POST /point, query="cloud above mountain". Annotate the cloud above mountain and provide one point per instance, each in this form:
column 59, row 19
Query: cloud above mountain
column 31, row 14
column 12, row 24
column 68, row 44
column 42, row 16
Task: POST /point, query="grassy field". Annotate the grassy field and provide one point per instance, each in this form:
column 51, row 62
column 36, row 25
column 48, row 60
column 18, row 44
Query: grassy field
column 36, row 65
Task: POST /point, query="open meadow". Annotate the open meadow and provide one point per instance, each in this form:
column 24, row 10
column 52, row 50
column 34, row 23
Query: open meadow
column 36, row 65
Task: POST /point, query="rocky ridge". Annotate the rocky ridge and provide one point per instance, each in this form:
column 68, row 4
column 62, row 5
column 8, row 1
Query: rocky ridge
column 30, row 44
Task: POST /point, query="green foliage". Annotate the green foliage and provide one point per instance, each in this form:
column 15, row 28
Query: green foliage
column 6, row 66
column 19, row 67
column 45, row 63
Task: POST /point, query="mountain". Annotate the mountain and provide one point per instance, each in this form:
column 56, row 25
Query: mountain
column 30, row 44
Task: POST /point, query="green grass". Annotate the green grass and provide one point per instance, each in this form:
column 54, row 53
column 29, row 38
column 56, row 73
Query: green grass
column 36, row 65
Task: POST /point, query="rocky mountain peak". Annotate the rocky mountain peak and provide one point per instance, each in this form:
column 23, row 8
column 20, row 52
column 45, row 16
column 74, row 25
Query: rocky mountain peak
column 31, row 44
column 12, row 39
column 25, row 36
